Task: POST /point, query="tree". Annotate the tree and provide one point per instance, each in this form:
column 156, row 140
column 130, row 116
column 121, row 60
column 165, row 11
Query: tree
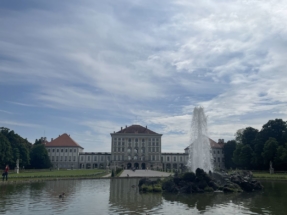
column 269, row 150
column 280, row 161
column 274, row 128
column 246, row 156
column 5, row 151
column 39, row 157
column 236, row 155
column 248, row 136
column 228, row 150
column 238, row 135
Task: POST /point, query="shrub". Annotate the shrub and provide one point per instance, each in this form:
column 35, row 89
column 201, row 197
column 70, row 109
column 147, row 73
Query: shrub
column 157, row 189
column 208, row 189
column 189, row 176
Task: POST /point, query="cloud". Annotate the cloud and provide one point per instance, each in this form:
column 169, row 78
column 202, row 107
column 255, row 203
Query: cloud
column 111, row 64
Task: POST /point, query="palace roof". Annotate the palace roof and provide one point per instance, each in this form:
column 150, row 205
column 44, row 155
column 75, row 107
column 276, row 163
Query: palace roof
column 213, row 144
column 63, row 140
column 135, row 129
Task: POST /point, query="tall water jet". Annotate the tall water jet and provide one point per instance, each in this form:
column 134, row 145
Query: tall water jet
column 200, row 153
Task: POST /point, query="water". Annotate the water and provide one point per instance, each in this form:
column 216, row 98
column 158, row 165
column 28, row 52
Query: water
column 117, row 196
column 200, row 154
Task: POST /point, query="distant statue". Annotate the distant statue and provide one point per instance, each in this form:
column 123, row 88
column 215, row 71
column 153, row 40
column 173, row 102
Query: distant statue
column 17, row 166
column 271, row 169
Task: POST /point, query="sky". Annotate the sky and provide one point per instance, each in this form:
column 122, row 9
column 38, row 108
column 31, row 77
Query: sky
column 88, row 68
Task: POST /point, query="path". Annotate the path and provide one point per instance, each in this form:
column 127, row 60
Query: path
column 144, row 173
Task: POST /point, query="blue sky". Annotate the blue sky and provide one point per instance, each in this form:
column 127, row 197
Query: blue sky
column 87, row 68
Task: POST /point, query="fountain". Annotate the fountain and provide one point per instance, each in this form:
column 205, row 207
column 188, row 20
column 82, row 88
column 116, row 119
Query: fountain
column 200, row 153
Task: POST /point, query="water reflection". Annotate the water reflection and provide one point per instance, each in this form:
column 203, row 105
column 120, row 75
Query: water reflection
column 124, row 196
column 119, row 196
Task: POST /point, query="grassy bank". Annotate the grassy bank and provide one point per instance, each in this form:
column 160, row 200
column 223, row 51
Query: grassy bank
column 265, row 175
column 29, row 175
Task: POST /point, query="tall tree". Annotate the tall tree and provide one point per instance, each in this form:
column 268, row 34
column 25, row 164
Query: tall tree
column 249, row 135
column 274, row 128
column 5, row 151
column 39, row 157
column 245, row 156
column 269, row 151
column 228, row 150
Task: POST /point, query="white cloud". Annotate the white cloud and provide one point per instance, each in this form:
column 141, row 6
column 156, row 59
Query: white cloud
column 153, row 61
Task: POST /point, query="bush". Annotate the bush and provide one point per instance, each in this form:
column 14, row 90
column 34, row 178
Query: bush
column 208, row 189
column 157, row 189
column 189, row 176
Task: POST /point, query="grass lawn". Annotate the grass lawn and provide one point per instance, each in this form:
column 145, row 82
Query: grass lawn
column 55, row 174
column 265, row 175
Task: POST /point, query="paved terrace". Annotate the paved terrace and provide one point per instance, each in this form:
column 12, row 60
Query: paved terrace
column 144, row 173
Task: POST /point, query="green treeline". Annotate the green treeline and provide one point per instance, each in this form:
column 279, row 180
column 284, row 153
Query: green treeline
column 13, row 147
column 254, row 149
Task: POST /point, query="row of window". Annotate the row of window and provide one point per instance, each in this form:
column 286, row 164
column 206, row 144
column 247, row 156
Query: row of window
column 101, row 158
column 65, row 158
column 136, row 144
column 136, row 139
column 135, row 158
column 62, row 150
column 170, row 158
column 218, row 160
column 150, row 149
column 217, row 151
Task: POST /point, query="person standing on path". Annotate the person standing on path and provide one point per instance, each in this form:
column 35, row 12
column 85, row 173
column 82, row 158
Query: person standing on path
column 5, row 174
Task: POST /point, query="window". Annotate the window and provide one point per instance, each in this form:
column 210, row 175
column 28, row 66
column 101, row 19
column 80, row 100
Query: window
column 153, row 157
column 53, row 150
column 217, row 151
column 102, row 158
column 218, row 159
column 65, row 158
column 48, row 150
column 74, row 158
column 167, row 158
column 66, row 150
column 61, row 150
column 88, row 158
column 56, row 158
column 74, row 150
column 123, row 149
column 157, row 149
column 69, row 158
column 174, row 158
column 180, row 158
column 149, row 149
column 115, row 149
column 136, row 139
column 57, row 150
column 82, row 158
column 70, row 150
column 161, row 159
column 52, row 158
column 95, row 158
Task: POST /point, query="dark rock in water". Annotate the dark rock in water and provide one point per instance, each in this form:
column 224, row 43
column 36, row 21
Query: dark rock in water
column 247, row 186
column 202, row 182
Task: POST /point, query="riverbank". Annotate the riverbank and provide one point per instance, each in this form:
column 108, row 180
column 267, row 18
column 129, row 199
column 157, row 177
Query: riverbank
column 44, row 175
column 267, row 176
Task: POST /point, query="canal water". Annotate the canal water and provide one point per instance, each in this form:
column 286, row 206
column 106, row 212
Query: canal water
column 121, row 196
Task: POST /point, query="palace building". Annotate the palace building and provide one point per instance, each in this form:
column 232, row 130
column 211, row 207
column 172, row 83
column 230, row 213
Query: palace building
column 133, row 146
